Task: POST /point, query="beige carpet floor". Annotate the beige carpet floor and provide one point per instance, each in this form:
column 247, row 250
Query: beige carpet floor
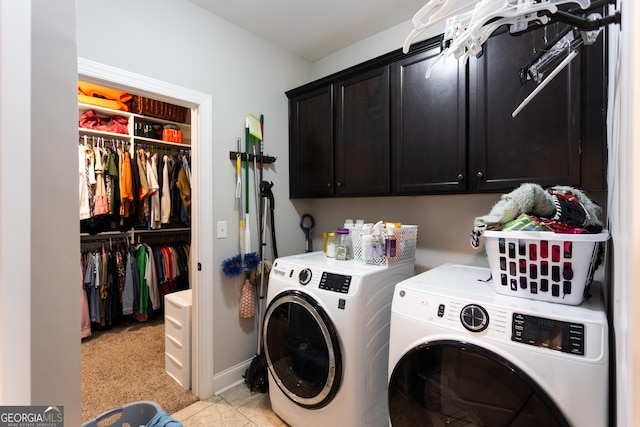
column 126, row 364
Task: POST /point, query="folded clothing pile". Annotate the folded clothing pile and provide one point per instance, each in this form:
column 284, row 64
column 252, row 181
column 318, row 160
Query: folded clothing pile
column 113, row 124
column 89, row 93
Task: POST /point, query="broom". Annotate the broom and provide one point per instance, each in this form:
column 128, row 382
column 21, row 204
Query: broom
column 243, row 262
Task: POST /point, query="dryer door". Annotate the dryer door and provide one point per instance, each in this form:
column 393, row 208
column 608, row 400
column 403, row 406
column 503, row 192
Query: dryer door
column 451, row 383
column 302, row 349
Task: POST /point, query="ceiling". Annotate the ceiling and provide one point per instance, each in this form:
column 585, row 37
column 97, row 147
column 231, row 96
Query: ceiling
column 315, row 29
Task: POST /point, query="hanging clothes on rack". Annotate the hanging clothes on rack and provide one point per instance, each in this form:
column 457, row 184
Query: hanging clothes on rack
column 130, row 280
column 120, row 189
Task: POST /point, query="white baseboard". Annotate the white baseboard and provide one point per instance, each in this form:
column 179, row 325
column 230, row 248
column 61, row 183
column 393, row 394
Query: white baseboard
column 231, row 377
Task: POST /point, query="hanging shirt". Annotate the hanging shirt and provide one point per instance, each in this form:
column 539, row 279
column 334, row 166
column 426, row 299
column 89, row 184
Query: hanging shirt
column 85, row 320
column 152, row 279
column 165, row 201
column 83, row 189
column 141, row 263
column 111, row 181
column 154, row 188
column 185, row 192
column 100, row 201
column 126, row 195
column 128, row 292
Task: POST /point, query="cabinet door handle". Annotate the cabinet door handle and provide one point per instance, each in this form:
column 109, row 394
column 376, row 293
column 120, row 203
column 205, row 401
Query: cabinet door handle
column 338, row 184
column 328, row 185
column 460, row 177
column 480, row 174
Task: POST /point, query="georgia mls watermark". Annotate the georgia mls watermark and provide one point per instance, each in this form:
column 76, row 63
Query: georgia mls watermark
column 31, row 416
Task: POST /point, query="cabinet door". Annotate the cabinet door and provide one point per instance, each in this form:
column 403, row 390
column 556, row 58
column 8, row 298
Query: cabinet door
column 428, row 125
column 542, row 143
column 362, row 134
column 311, row 144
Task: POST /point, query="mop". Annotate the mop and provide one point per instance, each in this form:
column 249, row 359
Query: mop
column 256, row 374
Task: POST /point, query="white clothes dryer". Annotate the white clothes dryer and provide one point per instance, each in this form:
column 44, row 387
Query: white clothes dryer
column 462, row 355
column 326, row 339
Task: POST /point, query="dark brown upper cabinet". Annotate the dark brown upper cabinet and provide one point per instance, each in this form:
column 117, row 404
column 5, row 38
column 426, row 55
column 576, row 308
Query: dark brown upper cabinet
column 339, row 137
column 382, row 128
column 311, row 143
column 429, row 124
column 362, row 139
column 542, row 143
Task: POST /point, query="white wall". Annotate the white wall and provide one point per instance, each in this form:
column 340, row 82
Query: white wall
column 177, row 42
column 624, row 205
column 15, row 161
column 378, row 44
column 39, row 290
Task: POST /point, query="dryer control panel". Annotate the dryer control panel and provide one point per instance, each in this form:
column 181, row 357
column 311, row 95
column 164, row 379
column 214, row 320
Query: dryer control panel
column 567, row 337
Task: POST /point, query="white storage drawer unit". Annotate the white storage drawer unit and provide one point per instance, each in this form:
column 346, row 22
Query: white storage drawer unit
column 177, row 342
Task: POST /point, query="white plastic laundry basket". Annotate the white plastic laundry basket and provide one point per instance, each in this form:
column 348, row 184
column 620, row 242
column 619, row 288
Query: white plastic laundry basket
column 543, row 265
column 130, row 415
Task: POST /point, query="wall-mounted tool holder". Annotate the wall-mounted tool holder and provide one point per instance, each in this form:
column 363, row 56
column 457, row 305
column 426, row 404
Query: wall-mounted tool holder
column 243, row 157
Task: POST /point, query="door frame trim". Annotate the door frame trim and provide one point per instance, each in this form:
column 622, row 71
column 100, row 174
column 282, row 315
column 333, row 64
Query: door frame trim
column 201, row 105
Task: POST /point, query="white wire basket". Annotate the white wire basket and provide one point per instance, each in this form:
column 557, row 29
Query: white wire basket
column 406, row 237
column 543, row 265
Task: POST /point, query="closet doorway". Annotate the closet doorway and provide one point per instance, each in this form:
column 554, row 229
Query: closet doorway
column 201, row 106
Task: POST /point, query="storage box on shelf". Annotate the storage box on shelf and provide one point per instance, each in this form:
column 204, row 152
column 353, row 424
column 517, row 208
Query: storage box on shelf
column 159, row 109
column 543, row 265
column 406, row 238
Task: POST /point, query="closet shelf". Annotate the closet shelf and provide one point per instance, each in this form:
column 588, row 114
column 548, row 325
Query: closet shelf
column 122, row 233
column 153, row 141
column 133, row 122
column 101, row 133
column 102, row 111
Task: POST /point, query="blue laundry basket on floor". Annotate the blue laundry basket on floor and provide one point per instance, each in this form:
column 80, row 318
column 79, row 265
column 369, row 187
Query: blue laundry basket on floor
column 132, row 414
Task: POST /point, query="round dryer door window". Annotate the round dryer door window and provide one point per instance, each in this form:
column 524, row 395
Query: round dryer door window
column 302, row 350
column 450, row 383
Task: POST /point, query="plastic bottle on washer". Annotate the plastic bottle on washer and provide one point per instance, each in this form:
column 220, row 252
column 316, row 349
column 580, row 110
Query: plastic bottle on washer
column 390, row 241
column 331, row 244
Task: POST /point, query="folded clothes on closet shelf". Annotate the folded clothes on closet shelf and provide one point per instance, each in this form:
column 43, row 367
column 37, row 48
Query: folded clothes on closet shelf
column 89, row 93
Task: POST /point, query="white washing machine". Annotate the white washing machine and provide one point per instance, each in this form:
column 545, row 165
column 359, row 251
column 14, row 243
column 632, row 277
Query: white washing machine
column 326, row 339
column 462, row 355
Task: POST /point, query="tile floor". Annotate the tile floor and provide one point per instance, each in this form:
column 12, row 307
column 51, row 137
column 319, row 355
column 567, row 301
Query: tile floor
column 236, row 407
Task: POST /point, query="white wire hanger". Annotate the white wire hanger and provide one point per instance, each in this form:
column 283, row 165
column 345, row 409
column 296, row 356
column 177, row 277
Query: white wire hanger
column 468, row 28
column 484, row 11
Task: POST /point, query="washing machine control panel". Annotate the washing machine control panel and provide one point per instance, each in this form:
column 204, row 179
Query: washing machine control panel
column 335, row 282
column 567, row 337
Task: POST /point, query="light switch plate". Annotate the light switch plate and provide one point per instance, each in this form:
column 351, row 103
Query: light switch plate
column 222, row 230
